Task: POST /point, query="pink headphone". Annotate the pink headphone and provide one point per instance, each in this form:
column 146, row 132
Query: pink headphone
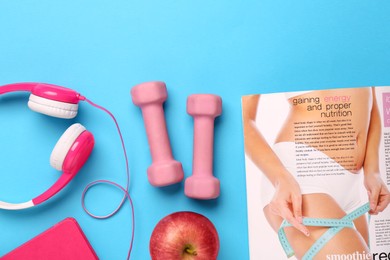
column 72, row 149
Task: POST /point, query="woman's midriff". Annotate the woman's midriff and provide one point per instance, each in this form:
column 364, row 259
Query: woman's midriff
column 335, row 122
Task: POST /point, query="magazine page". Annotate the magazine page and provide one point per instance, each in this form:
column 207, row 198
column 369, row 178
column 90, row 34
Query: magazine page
column 318, row 173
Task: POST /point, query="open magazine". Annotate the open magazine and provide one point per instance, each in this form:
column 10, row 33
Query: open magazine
column 333, row 147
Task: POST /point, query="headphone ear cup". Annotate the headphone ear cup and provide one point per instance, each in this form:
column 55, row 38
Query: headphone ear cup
column 52, row 107
column 69, row 155
column 64, row 145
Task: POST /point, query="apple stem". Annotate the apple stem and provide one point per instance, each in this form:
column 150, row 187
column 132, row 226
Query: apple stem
column 190, row 250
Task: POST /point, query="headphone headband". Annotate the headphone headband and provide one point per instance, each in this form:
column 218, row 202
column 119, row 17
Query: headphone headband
column 44, row 90
column 16, row 206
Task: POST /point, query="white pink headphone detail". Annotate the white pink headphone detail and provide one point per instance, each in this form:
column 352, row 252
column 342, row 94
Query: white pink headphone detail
column 72, row 149
column 74, row 146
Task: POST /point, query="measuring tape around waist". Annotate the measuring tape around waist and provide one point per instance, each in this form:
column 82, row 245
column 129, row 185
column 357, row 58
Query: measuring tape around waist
column 335, row 226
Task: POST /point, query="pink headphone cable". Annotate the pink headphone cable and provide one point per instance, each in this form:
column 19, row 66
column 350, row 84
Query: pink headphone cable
column 125, row 190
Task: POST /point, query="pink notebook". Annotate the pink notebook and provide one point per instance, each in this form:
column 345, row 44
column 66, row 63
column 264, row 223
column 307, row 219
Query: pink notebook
column 63, row 241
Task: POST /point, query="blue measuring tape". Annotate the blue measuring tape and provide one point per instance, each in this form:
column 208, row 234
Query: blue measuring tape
column 335, row 225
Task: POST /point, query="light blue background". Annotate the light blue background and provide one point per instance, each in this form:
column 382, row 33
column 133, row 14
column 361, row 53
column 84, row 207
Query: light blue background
column 103, row 48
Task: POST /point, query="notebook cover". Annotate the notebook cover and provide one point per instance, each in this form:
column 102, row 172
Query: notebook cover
column 63, row 241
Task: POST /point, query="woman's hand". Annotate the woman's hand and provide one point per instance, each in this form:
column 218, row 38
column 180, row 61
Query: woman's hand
column 378, row 194
column 287, row 203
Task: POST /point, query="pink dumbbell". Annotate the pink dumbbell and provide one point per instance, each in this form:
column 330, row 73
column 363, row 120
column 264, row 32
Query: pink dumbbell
column 150, row 97
column 202, row 184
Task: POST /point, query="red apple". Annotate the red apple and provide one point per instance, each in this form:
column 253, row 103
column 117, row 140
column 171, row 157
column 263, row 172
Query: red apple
column 184, row 236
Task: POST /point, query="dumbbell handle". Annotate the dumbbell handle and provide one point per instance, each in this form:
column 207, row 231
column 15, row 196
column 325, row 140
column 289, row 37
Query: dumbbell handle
column 160, row 148
column 203, row 145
